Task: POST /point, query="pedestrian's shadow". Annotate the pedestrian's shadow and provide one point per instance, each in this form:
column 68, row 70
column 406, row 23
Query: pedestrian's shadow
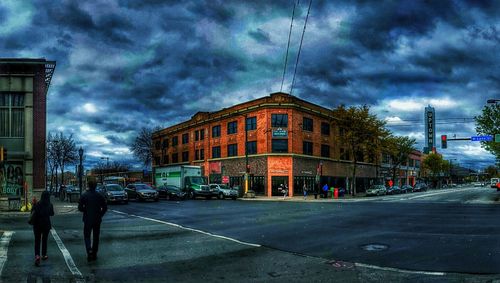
column 37, row 278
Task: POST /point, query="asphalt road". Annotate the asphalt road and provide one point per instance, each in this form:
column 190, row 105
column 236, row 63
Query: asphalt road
column 447, row 235
column 452, row 230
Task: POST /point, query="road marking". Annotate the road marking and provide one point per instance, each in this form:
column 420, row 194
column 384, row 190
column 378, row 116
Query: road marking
column 67, row 257
column 437, row 193
column 399, row 270
column 4, row 248
column 190, row 229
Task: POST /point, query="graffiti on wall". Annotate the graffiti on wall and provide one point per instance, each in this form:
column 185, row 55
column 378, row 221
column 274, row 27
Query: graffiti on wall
column 11, row 179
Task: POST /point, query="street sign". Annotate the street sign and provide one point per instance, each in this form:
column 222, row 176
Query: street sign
column 225, row 179
column 481, row 138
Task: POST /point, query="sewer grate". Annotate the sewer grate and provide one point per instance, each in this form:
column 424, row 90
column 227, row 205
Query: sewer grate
column 375, row 247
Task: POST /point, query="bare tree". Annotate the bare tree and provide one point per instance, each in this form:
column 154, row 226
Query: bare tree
column 63, row 151
column 143, row 144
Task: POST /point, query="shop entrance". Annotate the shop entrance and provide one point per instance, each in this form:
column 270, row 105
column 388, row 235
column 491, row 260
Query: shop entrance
column 298, row 185
column 276, row 181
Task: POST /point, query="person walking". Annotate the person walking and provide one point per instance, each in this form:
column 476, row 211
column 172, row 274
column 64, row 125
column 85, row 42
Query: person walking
column 93, row 205
column 40, row 219
column 304, row 188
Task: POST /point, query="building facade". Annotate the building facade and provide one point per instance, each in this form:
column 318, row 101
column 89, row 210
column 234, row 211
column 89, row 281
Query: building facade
column 23, row 94
column 283, row 139
column 407, row 173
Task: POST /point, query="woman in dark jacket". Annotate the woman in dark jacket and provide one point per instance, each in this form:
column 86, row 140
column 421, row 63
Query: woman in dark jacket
column 42, row 210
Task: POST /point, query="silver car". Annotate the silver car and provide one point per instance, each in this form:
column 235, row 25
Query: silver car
column 376, row 190
column 223, row 191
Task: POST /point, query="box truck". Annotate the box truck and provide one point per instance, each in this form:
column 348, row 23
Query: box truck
column 186, row 177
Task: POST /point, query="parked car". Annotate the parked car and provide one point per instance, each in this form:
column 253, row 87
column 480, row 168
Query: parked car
column 376, row 190
column 113, row 193
column 171, row 192
column 420, row 187
column 224, row 191
column 393, row 190
column 478, row 184
column 141, row 192
column 406, row 189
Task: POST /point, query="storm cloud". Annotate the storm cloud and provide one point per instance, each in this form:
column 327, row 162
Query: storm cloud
column 123, row 65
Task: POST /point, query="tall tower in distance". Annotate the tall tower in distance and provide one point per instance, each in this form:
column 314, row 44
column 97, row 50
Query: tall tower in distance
column 430, row 129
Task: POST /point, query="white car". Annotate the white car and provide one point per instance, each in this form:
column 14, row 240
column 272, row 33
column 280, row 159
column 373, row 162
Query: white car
column 478, row 184
column 223, row 191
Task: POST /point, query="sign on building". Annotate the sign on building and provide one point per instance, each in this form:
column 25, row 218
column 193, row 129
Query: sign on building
column 430, row 127
column 280, row 133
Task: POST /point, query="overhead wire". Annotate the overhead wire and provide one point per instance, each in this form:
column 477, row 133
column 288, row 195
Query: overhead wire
column 300, row 46
column 288, row 45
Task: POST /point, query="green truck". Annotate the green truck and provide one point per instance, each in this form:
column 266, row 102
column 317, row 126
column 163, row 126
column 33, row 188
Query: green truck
column 186, row 177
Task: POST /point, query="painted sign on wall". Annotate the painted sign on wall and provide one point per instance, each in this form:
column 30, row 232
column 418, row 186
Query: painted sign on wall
column 11, row 179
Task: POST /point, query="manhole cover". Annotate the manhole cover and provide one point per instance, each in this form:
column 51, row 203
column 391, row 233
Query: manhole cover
column 375, row 247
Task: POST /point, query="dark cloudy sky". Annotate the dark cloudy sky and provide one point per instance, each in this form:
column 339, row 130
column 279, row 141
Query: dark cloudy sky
column 123, row 65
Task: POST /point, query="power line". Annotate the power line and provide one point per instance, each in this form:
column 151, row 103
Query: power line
column 288, row 47
column 300, row 47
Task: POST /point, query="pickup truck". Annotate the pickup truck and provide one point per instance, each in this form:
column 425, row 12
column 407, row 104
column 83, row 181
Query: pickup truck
column 223, row 191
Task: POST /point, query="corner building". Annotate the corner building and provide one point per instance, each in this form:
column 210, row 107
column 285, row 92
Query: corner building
column 289, row 141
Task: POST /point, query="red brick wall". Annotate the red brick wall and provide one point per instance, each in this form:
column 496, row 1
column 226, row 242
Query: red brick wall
column 39, row 127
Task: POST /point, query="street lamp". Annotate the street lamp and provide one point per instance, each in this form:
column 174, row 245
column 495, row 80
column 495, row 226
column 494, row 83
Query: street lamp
column 107, row 168
column 80, row 169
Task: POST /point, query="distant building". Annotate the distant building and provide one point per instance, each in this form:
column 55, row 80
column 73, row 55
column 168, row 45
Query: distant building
column 407, row 173
column 289, row 141
column 24, row 84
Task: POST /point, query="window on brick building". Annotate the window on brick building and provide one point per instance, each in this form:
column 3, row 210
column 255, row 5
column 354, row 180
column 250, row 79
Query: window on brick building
column 216, row 131
column 307, row 124
column 185, row 156
column 12, row 115
column 185, row 138
column 279, row 145
column 157, row 160
column 175, row 157
column 216, row 152
column 197, row 154
column 344, row 154
column 232, row 149
column 202, row 134
column 165, row 159
column 325, row 129
column 279, row 120
column 157, row 145
column 202, row 154
column 175, row 141
column 196, row 135
column 307, row 147
column 252, row 147
column 165, row 143
column 325, row 151
column 232, row 127
column 251, row 123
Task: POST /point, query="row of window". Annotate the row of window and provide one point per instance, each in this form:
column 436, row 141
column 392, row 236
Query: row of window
column 277, row 121
column 278, row 146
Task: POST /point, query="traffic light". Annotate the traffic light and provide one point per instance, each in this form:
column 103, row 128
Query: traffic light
column 444, row 141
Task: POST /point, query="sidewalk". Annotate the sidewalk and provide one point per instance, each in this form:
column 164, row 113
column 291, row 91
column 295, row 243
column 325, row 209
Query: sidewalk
column 60, row 207
column 310, row 198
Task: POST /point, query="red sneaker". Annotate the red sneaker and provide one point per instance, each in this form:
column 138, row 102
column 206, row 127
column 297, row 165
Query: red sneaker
column 37, row 260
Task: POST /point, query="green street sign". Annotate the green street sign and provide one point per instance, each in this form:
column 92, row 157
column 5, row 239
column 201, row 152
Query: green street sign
column 497, row 137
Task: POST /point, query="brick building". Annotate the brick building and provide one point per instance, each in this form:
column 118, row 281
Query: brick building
column 23, row 95
column 290, row 141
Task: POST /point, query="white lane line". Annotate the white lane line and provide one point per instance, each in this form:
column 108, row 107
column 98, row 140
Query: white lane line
column 433, row 194
column 399, row 270
column 4, row 248
column 191, row 229
column 67, row 257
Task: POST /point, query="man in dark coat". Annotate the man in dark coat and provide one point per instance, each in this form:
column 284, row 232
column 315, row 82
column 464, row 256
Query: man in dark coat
column 93, row 205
